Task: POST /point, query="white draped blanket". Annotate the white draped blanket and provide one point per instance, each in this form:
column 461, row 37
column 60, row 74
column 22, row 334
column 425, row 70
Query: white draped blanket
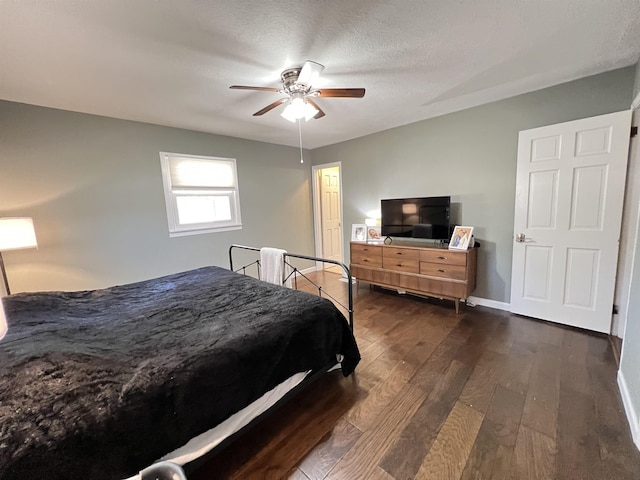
column 272, row 266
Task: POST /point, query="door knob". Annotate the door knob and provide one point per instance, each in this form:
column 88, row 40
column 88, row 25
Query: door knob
column 520, row 237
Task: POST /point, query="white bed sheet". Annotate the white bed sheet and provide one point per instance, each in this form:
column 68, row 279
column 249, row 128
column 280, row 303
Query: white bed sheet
column 205, row 442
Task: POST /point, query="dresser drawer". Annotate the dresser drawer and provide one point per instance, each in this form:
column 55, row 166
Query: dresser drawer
column 366, row 248
column 394, row 253
column 443, row 256
column 366, row 260
column 400, row 264
column 456, row 272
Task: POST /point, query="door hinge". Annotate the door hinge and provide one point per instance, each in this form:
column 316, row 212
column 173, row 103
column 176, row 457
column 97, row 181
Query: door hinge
column 615, row 309
column 634, row 131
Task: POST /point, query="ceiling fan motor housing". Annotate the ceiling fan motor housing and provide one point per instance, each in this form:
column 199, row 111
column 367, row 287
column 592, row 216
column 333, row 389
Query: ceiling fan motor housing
column 290, row 77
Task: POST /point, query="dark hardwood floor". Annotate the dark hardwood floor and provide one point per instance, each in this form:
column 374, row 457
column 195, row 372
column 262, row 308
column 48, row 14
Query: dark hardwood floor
column 482, row 394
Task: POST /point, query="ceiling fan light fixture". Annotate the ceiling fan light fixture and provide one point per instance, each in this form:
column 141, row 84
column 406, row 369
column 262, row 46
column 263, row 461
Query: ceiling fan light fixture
column 309, row 111
column 288, row 114
column 299, row 108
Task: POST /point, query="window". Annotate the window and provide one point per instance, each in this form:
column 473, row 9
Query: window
column 201, row 193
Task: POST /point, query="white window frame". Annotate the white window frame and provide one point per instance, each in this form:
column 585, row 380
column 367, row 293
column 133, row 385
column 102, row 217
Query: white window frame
column 171, row 195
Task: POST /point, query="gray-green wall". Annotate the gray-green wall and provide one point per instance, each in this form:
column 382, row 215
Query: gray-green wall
column 93, row 186
column 470, row 155
column 94, row 189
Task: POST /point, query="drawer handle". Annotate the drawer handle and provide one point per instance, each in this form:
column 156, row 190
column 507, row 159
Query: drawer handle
column 398, row 264
column 365, row 260
column 441, row 271
column 399, row 253
column 442, row 258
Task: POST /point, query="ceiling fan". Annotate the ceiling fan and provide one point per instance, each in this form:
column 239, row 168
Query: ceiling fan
column 297, row 86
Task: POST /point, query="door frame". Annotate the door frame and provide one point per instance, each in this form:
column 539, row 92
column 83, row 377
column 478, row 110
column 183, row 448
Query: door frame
column 317, row 217
column 630, row 230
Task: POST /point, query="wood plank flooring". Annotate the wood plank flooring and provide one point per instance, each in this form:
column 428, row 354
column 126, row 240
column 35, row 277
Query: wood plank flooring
column 479, row 395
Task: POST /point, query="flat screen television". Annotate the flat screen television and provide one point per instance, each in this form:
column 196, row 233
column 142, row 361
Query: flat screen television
column 427, row 217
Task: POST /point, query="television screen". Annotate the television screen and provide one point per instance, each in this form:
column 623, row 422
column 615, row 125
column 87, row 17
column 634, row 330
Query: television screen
column 426, row 217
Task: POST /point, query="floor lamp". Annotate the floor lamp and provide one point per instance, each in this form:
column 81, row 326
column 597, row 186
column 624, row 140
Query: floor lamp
column 15, row 233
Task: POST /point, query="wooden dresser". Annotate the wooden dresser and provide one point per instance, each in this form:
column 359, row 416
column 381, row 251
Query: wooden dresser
column 432, row 271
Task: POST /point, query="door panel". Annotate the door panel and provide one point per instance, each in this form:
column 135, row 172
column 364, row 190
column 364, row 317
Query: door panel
column 589, row 193
column 537, row 273
column 569, row 192
column 543, row 199
column 546, row 148
column 582, row 277
column 593, row 142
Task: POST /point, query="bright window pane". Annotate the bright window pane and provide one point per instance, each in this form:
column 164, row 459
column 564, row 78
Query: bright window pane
column 203, row 209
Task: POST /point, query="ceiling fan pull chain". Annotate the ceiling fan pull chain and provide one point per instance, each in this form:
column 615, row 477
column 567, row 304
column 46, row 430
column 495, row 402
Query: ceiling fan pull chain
column 300, row 134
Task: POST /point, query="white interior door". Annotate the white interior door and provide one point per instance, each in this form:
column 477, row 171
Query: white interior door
column 330, row 213
column 569, row 196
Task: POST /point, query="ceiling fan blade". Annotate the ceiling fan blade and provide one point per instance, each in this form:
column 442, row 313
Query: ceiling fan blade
column 262, row 89
column 341, row 92
column 271, row 106
column 310, row 73
column 320, row 113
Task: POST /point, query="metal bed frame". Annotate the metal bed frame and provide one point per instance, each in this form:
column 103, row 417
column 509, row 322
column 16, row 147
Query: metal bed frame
column 195, row 464
column 295, row 273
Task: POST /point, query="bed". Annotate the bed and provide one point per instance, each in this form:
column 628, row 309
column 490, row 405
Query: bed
column 102, row 383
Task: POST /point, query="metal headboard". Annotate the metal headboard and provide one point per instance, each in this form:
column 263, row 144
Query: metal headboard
column 295, row 273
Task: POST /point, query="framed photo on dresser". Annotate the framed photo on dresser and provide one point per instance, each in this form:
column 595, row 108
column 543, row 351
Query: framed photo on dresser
column 374, row 234
column 358, row 232
column 460, row 238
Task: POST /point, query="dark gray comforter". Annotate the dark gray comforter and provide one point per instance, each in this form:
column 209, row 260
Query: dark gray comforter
column 99, row 384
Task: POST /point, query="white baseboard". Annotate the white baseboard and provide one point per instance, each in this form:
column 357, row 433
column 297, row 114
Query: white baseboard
column 485, row 302
column 344, row 279
column 307, row 270
column 632, row 415
column 315, row 269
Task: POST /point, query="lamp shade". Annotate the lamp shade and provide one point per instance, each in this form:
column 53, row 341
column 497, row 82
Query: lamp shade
column 16, row 233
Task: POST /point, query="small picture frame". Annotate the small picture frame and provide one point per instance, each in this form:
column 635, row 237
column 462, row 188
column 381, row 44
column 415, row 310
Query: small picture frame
column 374, row 234
column 358, row 232
column 460, row 238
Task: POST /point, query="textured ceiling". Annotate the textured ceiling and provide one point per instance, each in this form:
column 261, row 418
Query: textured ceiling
column 172, row 62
